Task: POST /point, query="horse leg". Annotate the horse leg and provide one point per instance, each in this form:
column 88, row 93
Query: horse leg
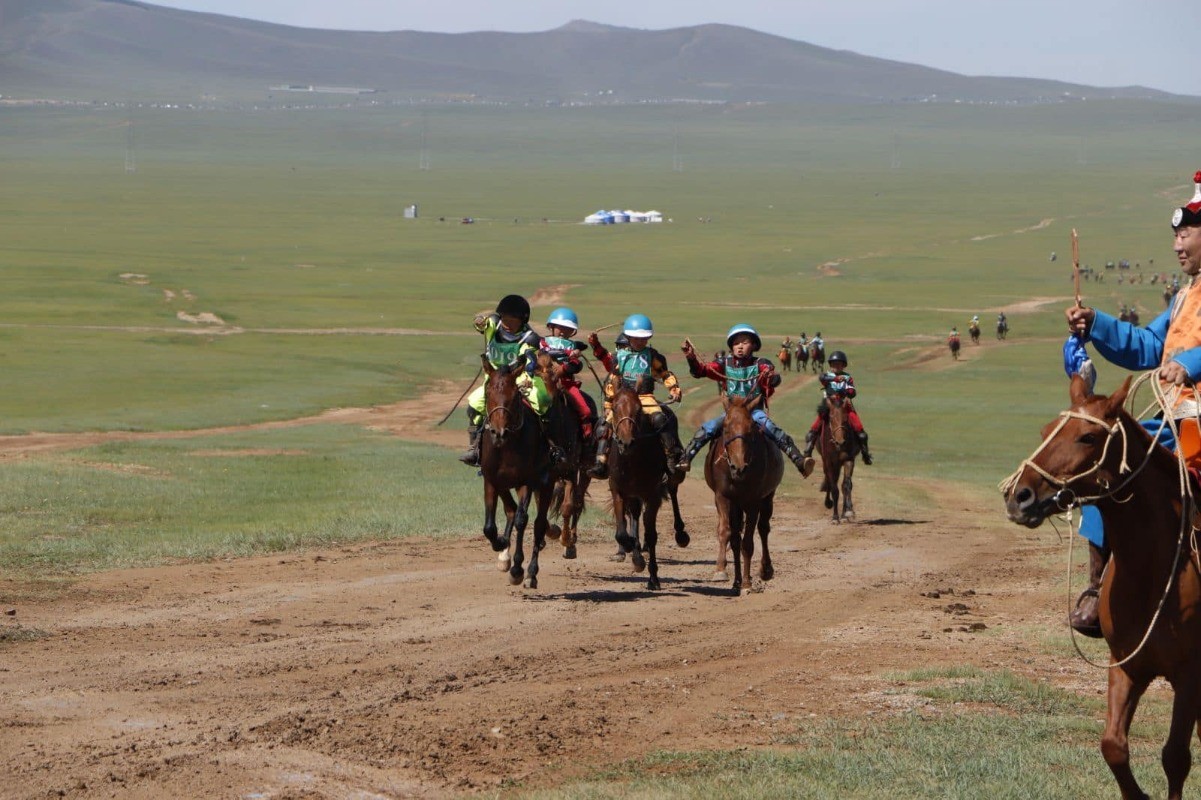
column 1124, row 694
column 721, row 571
column 737, row 519
column 520, row 518
column 502, row 558
column 542, row 496
column 490, row 495
column 649, row 513
column 848, row 507
column 748, row 546
column 832, row 491
column 567, row 510
column 1176, row 758
column 766, row 508
column 682, row 537
column 633, row 510
column 578, row 489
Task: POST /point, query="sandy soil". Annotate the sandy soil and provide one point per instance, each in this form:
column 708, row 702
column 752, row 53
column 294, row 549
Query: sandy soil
column 413, row 669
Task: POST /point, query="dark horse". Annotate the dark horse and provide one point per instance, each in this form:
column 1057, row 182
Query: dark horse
column 839, row 446
column 785, row 356
column 639, row 482
column 569, row 475
column 974, row 331
column 513, row 455
column 1002, row 329
column 1098, row 453
column 817, row 357
column 953, row 343
column 743, row 469
column 802, row 357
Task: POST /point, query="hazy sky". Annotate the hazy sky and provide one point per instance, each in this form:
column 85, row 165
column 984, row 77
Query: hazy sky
column 1095, row 42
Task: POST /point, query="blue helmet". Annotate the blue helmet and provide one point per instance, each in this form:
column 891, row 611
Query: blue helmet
column 564, row 317
column 639, row 326
column 742, row 327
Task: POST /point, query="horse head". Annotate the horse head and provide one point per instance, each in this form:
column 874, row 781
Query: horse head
column 627, row 415
column 502, row 399
column 550, row 371
column 1082, row 457
column 739, row 431
column 836, row 420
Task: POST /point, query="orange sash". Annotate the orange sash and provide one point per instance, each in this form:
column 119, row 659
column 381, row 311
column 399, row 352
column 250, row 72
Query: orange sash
column 1184, row 332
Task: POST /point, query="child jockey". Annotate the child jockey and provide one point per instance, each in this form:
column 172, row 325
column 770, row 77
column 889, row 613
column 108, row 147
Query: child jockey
column 638, row 368
column 741, row 374
column 953, row 336
column 837, row 383
column 563, row 324
column 507, row 340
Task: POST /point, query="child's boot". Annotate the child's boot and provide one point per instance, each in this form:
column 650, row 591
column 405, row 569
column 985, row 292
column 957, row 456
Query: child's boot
column 867, row 455
column 472, row 455
column 600, row 469
column 807, row 455
column 699, row 440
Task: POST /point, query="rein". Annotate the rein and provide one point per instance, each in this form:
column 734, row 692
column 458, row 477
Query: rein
column 1066, row 500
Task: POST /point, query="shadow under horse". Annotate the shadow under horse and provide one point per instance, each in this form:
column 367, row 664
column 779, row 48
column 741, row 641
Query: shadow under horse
column 569, row 476
column 744, row 469
column 639, row 481
column 513, row 455
column 839, row 448
column 1150, row 599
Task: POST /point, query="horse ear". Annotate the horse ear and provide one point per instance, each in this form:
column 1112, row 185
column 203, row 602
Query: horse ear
column 1079, row 391
column 1118, row 398
column 488, row 368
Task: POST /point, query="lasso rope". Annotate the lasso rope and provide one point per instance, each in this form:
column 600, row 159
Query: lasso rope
column 1166, row 402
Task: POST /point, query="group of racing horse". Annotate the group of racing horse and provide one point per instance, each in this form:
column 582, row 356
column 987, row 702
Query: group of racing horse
column 547, row 463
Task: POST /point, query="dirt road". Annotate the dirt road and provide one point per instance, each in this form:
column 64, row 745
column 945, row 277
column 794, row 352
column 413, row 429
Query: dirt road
column 413, row 669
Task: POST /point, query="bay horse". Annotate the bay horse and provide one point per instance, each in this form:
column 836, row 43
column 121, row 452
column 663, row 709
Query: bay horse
column 953, row 343
column 1150, row 599
column 974, row 331
column 743, row 469
column 639, row 482
column 569, row 475
column 839, row 447
column 817, row 357
column 801, row 357
column 1002, row 329
column 513, row 455
column 785, row 356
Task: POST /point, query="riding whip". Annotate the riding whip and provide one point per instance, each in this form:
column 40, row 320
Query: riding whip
column 600, row 384
column 470, row 386
column 1076, row 265
column 605, row 327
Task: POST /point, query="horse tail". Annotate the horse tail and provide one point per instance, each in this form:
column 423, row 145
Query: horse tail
column 556, row 501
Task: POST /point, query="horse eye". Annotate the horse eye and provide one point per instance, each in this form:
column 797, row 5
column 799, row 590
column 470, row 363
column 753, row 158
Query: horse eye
column 1088, row 438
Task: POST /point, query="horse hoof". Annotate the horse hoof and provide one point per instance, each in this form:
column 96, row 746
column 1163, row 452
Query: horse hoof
column 620, row 555
column 766, row 574
column 829, row 503
column 835, row 521
column 502, row 561
column 554, row 532
column 653, row 584
column 515, row 576
column 639, row 561
column 682, row 539
column 531, row 583
column 569, row 552
column 499, row 545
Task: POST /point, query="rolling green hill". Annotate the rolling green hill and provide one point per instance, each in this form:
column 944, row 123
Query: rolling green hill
column 120, row 50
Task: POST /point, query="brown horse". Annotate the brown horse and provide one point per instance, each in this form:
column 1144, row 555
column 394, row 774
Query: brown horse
column 974, row 330
column 1098, row 453
column 513, row 455
column 743, row 469
column 785, row 356
column 839, row 447
column 953, row 343
column 639, row 482
column 570, row 474
column 802, row 357
column 817, row 357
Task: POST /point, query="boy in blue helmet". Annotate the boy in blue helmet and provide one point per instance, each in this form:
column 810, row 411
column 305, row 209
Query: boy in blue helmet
column 742, row 374
column 638, row 367
column 563, row 324
column 508, row 339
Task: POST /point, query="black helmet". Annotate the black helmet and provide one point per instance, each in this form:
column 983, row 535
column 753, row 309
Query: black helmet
column 622, row 340
column 514, row 305
column 838, row 356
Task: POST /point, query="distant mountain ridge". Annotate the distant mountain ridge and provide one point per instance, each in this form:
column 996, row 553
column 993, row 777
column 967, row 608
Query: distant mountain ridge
column 124, row 49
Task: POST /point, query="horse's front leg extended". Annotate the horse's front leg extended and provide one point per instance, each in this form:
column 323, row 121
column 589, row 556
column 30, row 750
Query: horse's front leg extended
column 520, row 519
column 1176, row 758
column 619, row 523
column 568, row 514
column 1124, row 694
column 498, row 544
column 848, row 507
column 633, row 509
column 502, row 556
column 542, row 496
column 721, row 572
column 682, row 537
column 650, row 512
column 737, row 520
column 766, row 509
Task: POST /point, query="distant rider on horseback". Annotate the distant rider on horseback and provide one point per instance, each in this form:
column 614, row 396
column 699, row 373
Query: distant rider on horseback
column 741, row 374
column 507, row 340
column 836, row 383
column 638, row 368
column 563, row 324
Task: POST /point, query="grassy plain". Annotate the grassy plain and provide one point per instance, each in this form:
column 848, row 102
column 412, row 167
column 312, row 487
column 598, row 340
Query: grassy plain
column 287, row 225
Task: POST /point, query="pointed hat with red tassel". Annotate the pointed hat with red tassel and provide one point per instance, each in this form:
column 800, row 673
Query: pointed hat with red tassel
column 1189, row 215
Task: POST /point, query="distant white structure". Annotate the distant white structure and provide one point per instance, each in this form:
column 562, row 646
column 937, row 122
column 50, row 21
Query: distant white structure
column 411, row 211
column 618, row 217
